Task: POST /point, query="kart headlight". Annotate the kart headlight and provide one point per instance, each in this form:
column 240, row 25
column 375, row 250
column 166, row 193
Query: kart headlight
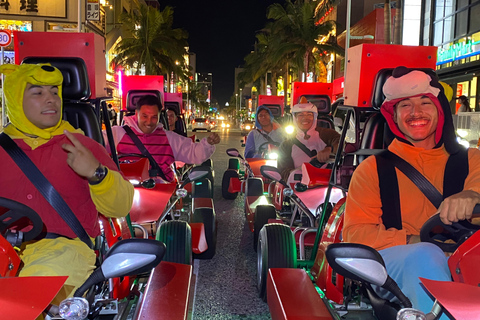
column 462, row 133
column 182, row 193
column 273, row 155
column 74, row 309
column 287, row 192
column 289, row 129
column 463, row 142
column 247, row 127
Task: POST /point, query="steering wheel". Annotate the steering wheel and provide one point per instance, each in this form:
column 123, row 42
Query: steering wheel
column 262, row 146
column 317, row 164
column 18, row 212
column 136, row 155
column 457, row 231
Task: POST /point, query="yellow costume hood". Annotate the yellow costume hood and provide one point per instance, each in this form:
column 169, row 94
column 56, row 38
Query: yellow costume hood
column 16, row 79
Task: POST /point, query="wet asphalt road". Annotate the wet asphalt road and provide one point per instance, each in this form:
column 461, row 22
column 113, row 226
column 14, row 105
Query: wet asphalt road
column 226, row 284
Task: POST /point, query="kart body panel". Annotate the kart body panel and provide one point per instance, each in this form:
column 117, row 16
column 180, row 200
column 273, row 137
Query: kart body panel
column 251, row 203
column 148, row 204
column 465, row 260
column 9, row 259
column 27, row 297
column 291, row 295
column 168, row 293
column 461, row 300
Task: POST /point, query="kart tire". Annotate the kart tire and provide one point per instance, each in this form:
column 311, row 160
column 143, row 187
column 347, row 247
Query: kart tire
column 254, row 187
column 226, row 183
column 276, row 249
column 208, row 163
column 202, row 188
column 262, row 214
column 208, row 218
column 234, row 164
column 177, row 237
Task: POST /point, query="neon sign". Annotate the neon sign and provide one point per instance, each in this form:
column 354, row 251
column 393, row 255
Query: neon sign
column 457, row 51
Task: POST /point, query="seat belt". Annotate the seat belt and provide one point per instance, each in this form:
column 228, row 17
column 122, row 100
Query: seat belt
column 308, row 152
column 155, row 170
column 269, row 140
column 456, row 171
column 44, row 186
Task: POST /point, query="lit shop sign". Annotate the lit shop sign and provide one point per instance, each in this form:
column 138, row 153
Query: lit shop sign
column 457, row 51
column 37, row 8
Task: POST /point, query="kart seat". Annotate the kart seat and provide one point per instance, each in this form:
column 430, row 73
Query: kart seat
column 76, row 91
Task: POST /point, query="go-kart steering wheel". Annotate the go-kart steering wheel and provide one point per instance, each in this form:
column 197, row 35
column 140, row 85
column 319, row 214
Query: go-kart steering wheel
column 457, row 231
column 135, row 155
column 276, row 144
column 16, row 212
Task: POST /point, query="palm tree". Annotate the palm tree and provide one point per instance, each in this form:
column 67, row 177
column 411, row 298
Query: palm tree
column 297, row 32
column 151, row 42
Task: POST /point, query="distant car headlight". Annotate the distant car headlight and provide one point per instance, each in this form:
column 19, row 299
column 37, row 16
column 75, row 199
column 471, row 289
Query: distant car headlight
column 247, row 127
column 228, row 125
column 223, row 125
column 289, row 129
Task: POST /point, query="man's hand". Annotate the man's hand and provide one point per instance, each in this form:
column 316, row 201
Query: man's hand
column 213, row 138
column 458, row 206
column 79, row 158
column 324, row 155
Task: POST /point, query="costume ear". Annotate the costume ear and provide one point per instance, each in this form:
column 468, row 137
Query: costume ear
column 8, row 68
column 303, row 100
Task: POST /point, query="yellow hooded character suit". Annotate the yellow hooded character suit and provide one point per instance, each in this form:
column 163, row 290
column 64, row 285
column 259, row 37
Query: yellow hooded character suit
column 65, row 254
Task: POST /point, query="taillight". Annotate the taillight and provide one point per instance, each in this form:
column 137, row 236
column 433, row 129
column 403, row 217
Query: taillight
column 193, row 121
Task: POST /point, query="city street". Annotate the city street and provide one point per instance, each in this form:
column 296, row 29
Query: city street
column 226, row 285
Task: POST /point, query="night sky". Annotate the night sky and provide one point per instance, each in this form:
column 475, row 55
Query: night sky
column 221, row 33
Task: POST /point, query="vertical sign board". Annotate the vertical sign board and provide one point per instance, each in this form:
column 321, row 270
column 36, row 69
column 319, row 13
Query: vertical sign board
column 93, row 10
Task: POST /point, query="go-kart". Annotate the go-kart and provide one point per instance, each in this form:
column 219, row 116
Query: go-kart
column 159, row 211
column 323, row 291
column 128, row 257
column 236, row 180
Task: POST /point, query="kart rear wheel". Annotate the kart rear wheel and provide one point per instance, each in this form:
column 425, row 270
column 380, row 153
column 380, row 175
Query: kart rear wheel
column 229, row 174
column 254, row 187
column 262, row 214
column 207, row 217
column 177, row 237
column 276, row 249
column 234, row 164
column 202, row 188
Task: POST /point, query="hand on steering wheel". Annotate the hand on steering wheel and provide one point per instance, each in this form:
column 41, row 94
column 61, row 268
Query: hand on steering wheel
column 457, row 232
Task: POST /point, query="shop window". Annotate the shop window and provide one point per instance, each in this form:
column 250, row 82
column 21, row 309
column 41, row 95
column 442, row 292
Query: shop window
column 474, row 18
column 461, row 23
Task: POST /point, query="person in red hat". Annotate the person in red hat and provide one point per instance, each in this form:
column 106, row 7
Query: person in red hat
column 418, row 114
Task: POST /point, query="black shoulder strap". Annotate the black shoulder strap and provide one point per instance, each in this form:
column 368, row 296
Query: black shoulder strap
column 44, row 187
column 389, row 193
column 456, row 171
column 270, row 140
column 155, row 170
column 308, row 152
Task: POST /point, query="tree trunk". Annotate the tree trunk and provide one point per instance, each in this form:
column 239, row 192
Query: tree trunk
column 387, row 16
column 286, row 86
column 398, row 23
column 305, row 64
column 274, row 84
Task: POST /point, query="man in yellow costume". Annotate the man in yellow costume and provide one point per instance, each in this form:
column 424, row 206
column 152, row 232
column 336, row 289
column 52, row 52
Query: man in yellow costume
column 77, row 167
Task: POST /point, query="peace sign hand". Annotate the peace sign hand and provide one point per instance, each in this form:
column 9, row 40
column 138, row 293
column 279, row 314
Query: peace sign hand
column 79, row 158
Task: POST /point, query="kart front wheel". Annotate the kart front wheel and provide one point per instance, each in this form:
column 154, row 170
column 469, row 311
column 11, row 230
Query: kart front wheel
column 229, row 174
column 276, row 249
column 207, row 217
column 262, row 214
column 177, row 237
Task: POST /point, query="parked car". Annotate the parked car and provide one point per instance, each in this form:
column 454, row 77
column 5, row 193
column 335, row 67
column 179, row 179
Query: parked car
column 201, row 124
column 213, row 122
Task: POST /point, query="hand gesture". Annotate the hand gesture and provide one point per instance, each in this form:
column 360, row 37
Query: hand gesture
column 79, row 158
column 213, row 138
column 324, row 155
column 458, row 206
